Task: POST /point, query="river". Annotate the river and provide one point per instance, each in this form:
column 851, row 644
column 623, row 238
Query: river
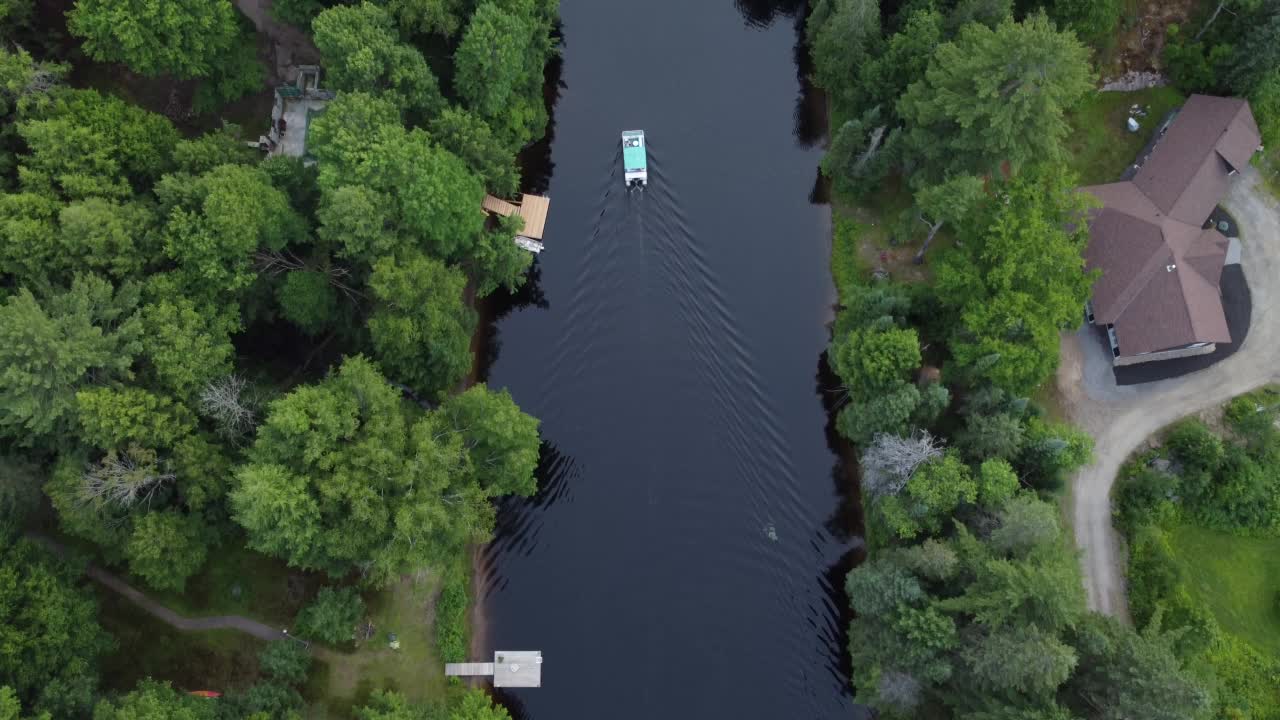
column 684, row 556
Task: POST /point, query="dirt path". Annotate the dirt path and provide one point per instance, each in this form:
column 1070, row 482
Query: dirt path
column 290, row 45
column 239, row 623
column 1120, row 419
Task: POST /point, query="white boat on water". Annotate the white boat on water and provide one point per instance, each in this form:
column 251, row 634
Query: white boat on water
column 635, row 160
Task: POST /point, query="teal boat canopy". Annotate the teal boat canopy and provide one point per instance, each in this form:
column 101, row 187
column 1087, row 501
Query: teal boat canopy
column 635, row 160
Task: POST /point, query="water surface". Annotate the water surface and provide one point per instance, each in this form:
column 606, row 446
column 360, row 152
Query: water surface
column 680, row 559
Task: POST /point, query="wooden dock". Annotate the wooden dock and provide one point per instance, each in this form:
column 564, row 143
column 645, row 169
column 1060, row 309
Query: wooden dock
column 510, row 668
column 532, row 209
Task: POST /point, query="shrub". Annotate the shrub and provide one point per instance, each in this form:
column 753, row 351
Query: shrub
column 332, row 617
column 451, row 618
column 1141, row 495
column 1154, row 574
column 286, row 661
column 1194, row 446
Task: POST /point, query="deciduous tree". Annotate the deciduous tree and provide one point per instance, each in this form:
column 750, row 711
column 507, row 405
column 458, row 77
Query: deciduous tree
column 119, row 147
column 51, row 635
column 501, row 441
column 362, row 51
column 332, row 616
column 165, row 548
column 154, row 37
column 499, row 66
column 422, row 329
column 154, row 700
column 217, row 220
column 338, row 480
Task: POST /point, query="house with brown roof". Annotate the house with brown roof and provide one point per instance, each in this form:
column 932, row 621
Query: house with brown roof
column 1161, row 261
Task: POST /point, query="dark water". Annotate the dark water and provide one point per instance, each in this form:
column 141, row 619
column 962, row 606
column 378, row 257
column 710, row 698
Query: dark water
column 683, row 559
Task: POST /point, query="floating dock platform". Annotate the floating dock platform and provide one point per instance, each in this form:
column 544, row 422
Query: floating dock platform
column 510, row 668
column 532, row 209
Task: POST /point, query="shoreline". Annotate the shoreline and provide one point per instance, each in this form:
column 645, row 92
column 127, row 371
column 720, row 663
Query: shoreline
column 477, row 621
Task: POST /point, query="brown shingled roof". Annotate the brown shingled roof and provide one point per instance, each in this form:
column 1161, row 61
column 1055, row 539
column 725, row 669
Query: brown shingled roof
column 1160, row 270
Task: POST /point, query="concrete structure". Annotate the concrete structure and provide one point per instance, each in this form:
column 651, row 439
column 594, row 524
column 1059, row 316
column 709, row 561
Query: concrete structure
column 532, row 209
column 294, row 106
column 510, row 668
column 1161, row 261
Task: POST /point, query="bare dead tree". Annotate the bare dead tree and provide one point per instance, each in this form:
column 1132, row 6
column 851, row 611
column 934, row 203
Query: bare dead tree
column 873, row 149
column 899, row 690
column 275, row 262
column 126, row 480
column 225, row 401
column 890, row 461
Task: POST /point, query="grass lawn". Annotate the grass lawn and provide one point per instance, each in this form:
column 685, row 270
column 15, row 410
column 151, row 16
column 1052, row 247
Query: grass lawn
column 1099, row 146
column 1238, row 578
column 406, row 609
column 238, row 581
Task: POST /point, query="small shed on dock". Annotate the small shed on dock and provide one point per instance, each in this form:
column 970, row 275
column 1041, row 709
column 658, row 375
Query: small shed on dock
column 510, row 668
column 532, row 209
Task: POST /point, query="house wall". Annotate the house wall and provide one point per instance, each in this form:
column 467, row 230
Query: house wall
column 1165, row 355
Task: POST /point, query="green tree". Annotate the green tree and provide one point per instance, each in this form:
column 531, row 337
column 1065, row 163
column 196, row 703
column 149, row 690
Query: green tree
column 861, row 154
column 931, row 496
column 186, row 345
column 119, row 147
column 50, row 630
column 433, row 196
column 997, row 483
column 224, row 146
column 1041, row 590
column 217, row 220
column 441, row 17
column 466, row 135
column 25, row 85
column 1092, row 20
column 308, row 300
column 985, row 436
column 19, row 494
column 994, row 96
column 499, row 68
column 1020, row 663
column 1123, row 675
column 887, row 74
column 1027, row 524
column 153, row 37
column 501, row 441
column 422, row 329
column 869, row 361
column 338, row 479
column 362, row 51
column 44, row 242
column 332, row 616
column 843, row 35
column 496, row 261
column 476, row 705
column 390, row 705
column 876, row 364
column 165, row 548
column 286, row 661
column 1018, row 279
column 115, row 417
column 947, row 202
column 359, row 224
column 48, row 352
column 154, row 700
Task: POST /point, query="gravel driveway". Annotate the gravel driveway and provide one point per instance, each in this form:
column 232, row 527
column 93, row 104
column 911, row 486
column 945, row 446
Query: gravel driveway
column 1121, row 418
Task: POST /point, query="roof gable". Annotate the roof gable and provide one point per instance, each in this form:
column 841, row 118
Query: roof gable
column 1160, row 270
